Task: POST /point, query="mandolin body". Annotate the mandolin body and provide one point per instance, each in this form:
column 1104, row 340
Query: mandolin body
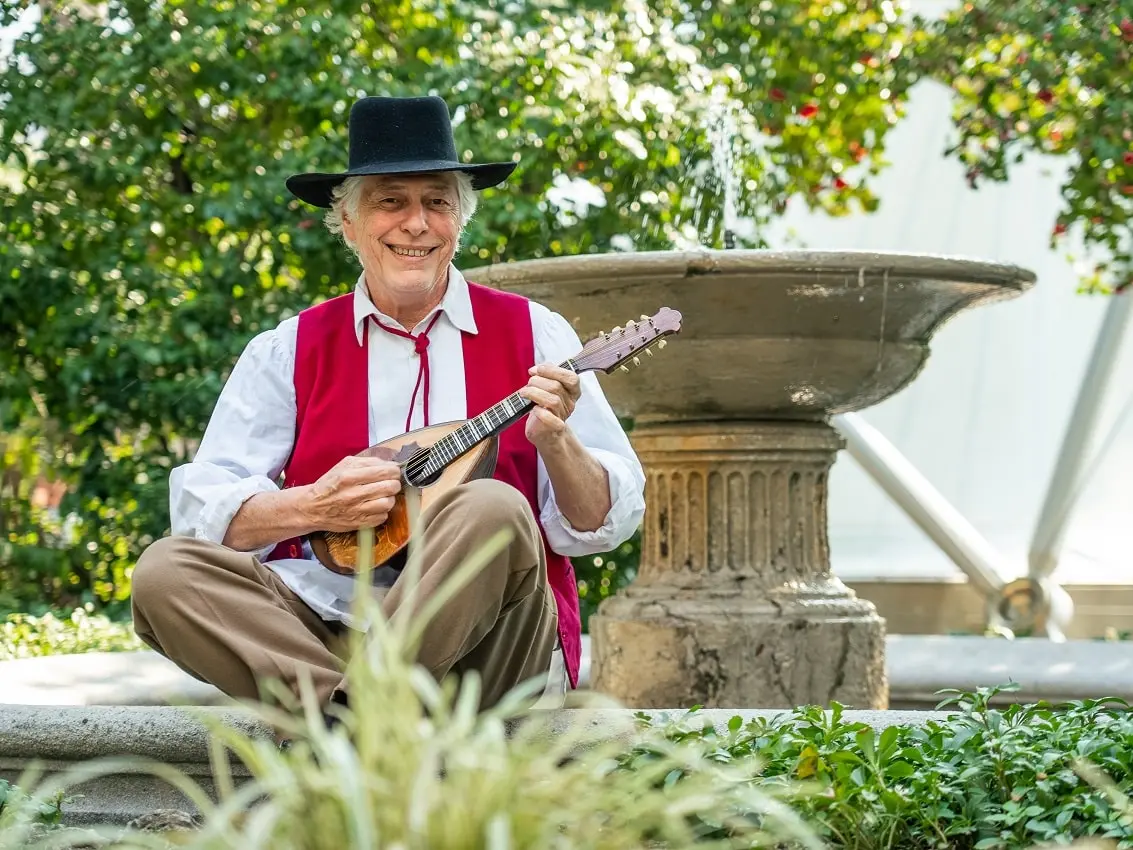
column 338, row 550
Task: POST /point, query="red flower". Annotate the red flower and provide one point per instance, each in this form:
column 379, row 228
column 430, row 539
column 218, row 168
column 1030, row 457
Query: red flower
column 1127, row 29
column 778, row 94
column 1046, row 95
column 1127, row 189
column 1059, row 229
column 1128, row 158
column 839, row 183
column 809, row 111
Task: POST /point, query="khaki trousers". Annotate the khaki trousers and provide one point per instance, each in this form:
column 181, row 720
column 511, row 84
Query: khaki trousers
column 227, row 619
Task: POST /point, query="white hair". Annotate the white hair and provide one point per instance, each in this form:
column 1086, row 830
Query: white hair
column 348, row 194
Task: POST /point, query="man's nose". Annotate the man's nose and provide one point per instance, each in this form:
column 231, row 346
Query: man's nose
column 415, row 220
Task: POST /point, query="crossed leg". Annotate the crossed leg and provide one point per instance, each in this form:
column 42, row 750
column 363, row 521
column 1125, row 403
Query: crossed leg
column 227, row 619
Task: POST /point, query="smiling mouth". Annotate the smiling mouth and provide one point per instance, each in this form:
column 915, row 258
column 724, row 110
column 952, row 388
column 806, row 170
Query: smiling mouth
column 411, row 252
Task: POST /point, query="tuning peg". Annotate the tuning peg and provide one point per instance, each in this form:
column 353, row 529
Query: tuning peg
column 637, row 361
column 649, row 351
column 623, row 368
column 644, row 318
column 615, row 329
column 662, row 343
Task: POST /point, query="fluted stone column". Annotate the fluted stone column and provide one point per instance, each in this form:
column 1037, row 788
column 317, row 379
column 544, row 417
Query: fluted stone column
column 734, row 605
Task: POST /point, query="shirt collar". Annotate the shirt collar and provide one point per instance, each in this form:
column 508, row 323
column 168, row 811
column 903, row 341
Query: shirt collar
column 456, row 305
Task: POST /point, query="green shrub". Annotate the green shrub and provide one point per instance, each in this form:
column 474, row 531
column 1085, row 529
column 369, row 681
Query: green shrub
column 981, row 779
column 16, row 805
column 27, row 636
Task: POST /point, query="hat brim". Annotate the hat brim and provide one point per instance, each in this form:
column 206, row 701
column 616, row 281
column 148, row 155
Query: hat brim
column 316, row 187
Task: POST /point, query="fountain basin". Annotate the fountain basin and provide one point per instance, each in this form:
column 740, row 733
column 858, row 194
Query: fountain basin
column 766, row 334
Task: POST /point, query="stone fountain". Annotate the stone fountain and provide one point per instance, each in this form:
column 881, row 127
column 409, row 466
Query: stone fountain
column 735, row 605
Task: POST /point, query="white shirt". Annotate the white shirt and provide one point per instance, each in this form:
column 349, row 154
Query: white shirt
column 250, row 434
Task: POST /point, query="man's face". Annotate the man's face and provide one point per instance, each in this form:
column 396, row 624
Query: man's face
column 406, row 231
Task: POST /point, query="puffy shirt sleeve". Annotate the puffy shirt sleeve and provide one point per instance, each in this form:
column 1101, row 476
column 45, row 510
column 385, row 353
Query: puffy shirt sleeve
column 247, row 441
column 598, row 429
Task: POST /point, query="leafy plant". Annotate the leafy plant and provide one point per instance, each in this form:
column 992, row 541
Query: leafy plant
column 602, row 576
column 26, row 636
column 16, row 807
column 981, row 779
column 1052, row 78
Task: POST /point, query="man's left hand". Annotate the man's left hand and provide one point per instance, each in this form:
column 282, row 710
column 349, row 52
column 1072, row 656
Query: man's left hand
column 554, row 391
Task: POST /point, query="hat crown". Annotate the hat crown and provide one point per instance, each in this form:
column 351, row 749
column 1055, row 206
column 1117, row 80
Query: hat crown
column 398, row 135
column 400, row 129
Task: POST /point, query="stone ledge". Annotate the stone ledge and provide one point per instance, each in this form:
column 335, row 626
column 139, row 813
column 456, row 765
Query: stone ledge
column 921, row 665
column 58, row 738
column 55, row 739
column 917, row 666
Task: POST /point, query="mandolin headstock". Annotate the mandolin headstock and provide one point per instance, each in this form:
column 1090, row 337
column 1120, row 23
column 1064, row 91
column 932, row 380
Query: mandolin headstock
column 615, row 347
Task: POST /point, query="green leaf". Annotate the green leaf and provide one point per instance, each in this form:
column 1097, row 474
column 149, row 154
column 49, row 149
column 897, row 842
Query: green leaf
column 865, row 742
column 888, row 741
column 899, row 769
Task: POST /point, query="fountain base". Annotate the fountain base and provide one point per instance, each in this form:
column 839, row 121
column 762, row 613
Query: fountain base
column 734, row 604
column 663, row 650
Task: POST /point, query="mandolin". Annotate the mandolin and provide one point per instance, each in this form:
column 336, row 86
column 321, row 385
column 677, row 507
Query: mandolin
column 436, row 458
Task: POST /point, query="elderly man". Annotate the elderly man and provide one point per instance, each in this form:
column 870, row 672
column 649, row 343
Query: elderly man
column 235, row 596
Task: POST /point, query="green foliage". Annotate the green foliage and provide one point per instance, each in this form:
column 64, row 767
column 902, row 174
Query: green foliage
column 981, row 779
column 1056, row 78
column 25, row 636
column 601, row 576
column 150, row 234
column 15, row 805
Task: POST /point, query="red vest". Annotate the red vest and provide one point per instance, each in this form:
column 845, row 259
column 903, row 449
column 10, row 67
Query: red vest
column 332, row 415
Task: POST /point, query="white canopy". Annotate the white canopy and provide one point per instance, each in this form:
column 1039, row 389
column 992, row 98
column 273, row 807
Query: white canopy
column 985, row 419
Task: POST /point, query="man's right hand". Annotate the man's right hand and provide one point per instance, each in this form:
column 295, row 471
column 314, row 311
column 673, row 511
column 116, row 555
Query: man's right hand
column 357, row 492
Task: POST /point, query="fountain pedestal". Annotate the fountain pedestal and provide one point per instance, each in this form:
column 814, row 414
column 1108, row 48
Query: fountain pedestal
column 734, row 604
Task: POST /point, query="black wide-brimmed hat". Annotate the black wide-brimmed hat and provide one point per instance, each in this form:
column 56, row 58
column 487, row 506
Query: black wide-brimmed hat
column 398, row 135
